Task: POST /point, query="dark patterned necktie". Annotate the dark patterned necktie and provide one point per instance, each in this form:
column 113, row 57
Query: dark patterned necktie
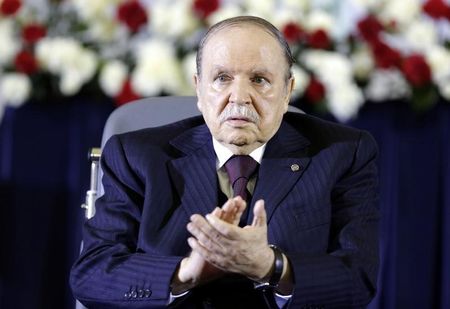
column 240, row 169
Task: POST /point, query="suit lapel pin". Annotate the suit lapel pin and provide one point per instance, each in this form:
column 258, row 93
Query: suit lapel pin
column 295, row 167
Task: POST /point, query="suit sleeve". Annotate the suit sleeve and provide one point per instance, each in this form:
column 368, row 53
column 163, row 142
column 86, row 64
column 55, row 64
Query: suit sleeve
column 345, row 277
column 111, row 272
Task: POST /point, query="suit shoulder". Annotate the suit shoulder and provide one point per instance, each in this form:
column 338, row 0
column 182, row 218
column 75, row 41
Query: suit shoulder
column 153, row 140
column 161, row 135
column 311, row 126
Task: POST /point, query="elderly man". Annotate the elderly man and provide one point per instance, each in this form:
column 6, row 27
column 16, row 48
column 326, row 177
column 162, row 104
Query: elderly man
column 298, row 222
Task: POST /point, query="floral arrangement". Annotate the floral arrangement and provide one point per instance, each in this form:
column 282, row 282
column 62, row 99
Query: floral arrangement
column 348, row 52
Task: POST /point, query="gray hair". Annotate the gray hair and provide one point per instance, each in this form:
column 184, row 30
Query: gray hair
column 242, row 20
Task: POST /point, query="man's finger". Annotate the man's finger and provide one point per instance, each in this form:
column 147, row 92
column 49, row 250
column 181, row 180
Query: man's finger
column 206, row 234
column 233, row 210
column 259, row 214
column 228, row 210
column 218, row 212
column 209, row 235
column 227, row 230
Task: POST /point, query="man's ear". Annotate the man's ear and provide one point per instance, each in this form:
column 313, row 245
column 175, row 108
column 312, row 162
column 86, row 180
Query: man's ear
column 289, row 89
column 197, row 90
column 195, row 79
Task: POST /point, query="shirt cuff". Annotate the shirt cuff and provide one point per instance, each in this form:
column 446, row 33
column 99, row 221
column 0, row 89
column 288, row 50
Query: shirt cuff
column 281, row 300
column 173, row 297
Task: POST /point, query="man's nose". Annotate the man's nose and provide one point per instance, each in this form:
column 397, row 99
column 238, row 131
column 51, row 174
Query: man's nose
column 240, row 92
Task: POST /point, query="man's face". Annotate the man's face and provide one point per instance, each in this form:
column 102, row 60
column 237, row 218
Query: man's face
column 242, row 89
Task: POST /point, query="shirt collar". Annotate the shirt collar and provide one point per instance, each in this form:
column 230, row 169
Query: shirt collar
column 223, row 153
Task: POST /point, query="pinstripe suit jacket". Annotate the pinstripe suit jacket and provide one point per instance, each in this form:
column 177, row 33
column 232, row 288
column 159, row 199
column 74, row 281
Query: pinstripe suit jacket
column 324, row 216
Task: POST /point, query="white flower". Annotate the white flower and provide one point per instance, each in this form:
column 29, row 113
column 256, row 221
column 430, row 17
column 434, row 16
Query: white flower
column 387, row 85
column 334, row 70
column 86, row 64
column 10, row 45
column 157, row 69
column 319, row 19
column 78, row 71
column 106, row 30
column 362, row 63
column 260, row 8
column 55, row 53
column 444, row 88
column 91, row 10
column 301, row 81
column 224, row 12
column 112, row 77
column 67, row 58
column 43, row 52
column 401, row 11
column 438, row 57
column 70, row 82
column 367, row 4
column 173, row 19
column 100, row 17
column 15, row 88
column 420, row 35
column 297, row 6
column 328, row 66
column 344, row 100
column 284, row 16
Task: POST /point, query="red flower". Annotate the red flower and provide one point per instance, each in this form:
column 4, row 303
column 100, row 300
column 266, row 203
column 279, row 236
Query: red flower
column 370, row 28
column 319, row 39
column 132, row 14
column 315, row 91
column 25, row 62
column 385, row 56
column 33, row 32
column 204, row 8
column 416, row 70
column 437, row 9
column 293, row 32
column 127, row 94
column 10, row 7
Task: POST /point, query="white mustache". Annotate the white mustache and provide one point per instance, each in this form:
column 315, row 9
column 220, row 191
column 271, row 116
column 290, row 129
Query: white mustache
column 238, row 111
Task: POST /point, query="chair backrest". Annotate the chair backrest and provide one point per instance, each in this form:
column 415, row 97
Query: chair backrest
column 149, row 112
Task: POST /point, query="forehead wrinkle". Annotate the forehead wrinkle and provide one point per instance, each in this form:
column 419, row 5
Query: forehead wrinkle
column 223, row 60
column 221, row 52
column 265, row 44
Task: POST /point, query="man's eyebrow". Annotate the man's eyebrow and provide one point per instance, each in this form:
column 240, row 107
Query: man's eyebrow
column 219, row 68
column 261, row 72
column 256, row 71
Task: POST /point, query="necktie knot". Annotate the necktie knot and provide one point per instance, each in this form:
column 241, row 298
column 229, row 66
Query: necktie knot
column 240, row 168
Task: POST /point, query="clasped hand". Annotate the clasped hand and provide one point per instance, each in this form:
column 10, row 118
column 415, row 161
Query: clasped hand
column 220, row 246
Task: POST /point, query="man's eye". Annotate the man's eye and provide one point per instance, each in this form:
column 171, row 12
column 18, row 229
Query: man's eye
column 222, row 78
column 259, row 80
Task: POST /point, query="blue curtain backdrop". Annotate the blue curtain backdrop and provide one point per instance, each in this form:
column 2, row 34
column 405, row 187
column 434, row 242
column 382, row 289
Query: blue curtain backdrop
column 44, row 174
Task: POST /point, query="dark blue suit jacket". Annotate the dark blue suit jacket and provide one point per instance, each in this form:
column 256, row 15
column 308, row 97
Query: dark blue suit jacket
column 324, row 216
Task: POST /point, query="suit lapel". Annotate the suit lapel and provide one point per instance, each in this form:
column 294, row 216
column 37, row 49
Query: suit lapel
column 283, row 163
column 194, row 174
